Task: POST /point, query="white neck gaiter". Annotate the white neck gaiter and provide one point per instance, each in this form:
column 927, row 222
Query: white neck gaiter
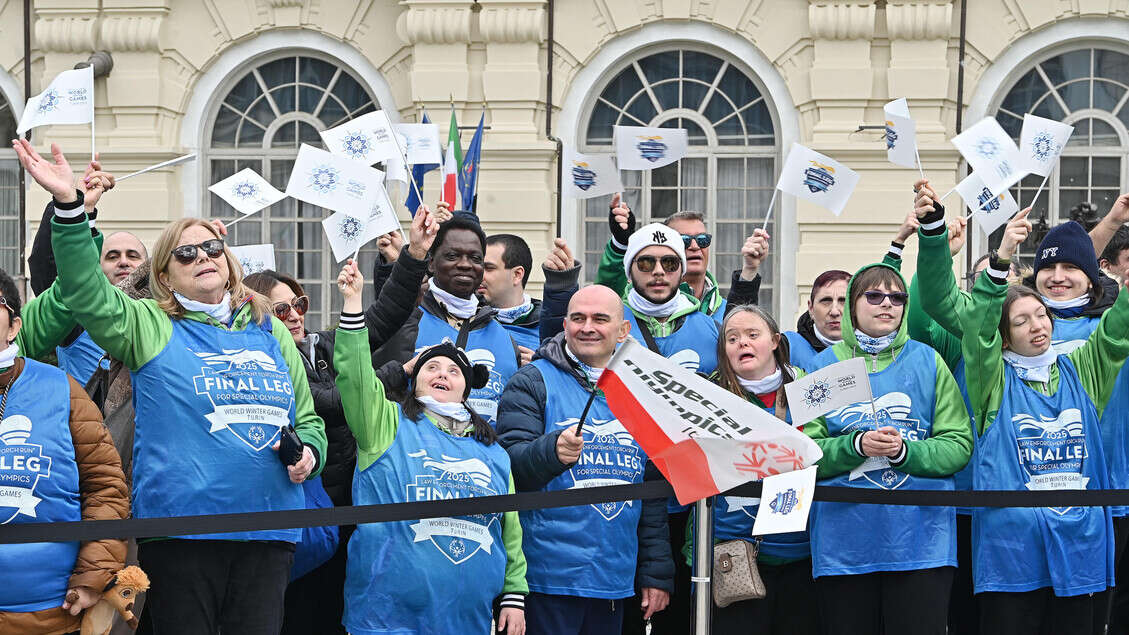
column 458, row 307
column 8, row 356
column 764, row 385
column 220, row 312
column 642, row 305
column 1037, row 368
column 449, row 409
column 827, row 341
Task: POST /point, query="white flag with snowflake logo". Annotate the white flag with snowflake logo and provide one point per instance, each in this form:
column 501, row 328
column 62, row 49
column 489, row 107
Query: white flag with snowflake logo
column 785, row 502
column 835, row 386
column 1040, row 143
column 367, row 139
column 334, row 182
column 254, row 258
column 347, row 234
column 992, row 154
column 68, row 99
column 246, row 191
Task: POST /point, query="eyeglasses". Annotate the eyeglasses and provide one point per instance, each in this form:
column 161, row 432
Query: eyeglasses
column 186, row 254
column 4, row 303
column 702, row 239
column 670, row 264
column 897, row 298
column 300, row 304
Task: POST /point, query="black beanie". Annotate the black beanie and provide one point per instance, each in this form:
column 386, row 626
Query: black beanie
column 475, row 375
column 1069, row 243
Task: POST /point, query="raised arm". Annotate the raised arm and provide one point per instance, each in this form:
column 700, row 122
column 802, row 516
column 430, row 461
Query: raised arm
column 372, row 418
column 130, row 330
column 397, row 298
column 621, row 222
column 562, row 280
column 1100, row 359
column 1103, row 232
column 941, row 297
column 745, row 286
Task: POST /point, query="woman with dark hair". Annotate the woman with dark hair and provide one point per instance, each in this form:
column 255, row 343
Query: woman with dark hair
column 217, row 386
column 887, row 568
column 753, row 363
column 1037, row 421
column 436, row 575
column 315, row 600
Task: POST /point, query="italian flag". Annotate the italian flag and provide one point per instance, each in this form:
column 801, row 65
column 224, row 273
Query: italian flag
column 451, row 163
column 704, row 439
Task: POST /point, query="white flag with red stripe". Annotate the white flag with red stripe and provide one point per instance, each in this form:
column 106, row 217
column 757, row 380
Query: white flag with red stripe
column 704, row 439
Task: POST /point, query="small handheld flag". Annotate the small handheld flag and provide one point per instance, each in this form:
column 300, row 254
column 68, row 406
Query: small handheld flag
column 334, row 182
column 367, row 139
column 68, row 99
column 588, row 175
column 818, row 178
column 991, row 153
column 254, row 258
column 246, row 191
column 989, row 211
column 640, row 148
column 901, row 136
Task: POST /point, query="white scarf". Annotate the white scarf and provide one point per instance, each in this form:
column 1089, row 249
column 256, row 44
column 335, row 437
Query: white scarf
column 591, row 372
column 512, row 314
column 642, row 305
column 875, row 345
column 827, row 341
column 1081, row 300
column 220, row 312
column 1037, row 368
column 764, row 385
column 458, row 307
column 449, row 409
column 8, row 355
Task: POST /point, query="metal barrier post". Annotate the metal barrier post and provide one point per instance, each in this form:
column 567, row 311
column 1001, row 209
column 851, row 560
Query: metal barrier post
column 703, row 564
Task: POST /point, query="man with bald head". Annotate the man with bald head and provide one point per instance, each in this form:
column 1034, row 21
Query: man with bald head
column 122, row 253
column 582, row 561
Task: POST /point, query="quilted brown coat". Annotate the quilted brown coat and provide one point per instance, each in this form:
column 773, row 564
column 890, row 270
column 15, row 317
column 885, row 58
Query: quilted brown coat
column 103, row 496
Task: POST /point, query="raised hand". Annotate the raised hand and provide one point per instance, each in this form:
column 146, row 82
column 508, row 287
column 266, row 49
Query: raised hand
column 94, row 183
column 907, row 228
column 1016, row 231
column 422, row 233
column 569, row 445
column 958, row 234
column 924, row 198
column 351, row 283
column 442, row 212
column 55, row 175
column 753, row 253
column 621, row 220
column 389, row 245
column 560, row 258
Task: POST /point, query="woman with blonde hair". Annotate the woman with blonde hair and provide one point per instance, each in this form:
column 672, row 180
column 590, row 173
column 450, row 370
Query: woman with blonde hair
column 224, row 418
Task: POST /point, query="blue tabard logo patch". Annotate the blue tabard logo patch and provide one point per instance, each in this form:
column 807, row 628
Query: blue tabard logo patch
column 1052, row 451
column 610, row 457
column 22, row 464
column 250, row 395
column 447, row 478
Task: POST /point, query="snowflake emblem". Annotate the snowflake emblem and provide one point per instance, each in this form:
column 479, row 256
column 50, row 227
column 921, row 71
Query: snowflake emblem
column 324, row 179
column 609, row 508
column 245, row 190
column 817, row 394
column 356, row 145
column 256, row 434
column 349, row 228
column 987, row 147
column 48, row 102
column 457, row 548
column 889, row 477
column 250, row 265
column 1043, row 146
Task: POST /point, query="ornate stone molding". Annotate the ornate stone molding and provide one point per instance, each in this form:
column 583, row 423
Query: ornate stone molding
column 66, row 32
column 133, row 31
column 513, row 22
column 280, row 4
column 919, row 20
column 841, row 20
column 435, row 23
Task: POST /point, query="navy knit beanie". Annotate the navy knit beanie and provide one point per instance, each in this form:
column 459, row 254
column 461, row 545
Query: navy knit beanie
column 1069, row 243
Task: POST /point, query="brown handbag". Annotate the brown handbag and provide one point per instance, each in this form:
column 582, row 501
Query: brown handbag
column 735, row 573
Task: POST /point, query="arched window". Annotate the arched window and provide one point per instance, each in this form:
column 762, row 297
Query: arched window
column 730, row 170
column 1088, row 89
column 9, row 193
column 271, row 109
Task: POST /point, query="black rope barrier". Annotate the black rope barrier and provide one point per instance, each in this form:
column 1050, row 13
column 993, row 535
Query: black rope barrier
column 360, row 514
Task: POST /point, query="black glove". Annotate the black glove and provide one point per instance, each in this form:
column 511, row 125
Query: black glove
column 289, row 446
column 619, row 234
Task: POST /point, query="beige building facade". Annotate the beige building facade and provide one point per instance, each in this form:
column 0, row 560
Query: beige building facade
column 242, row 83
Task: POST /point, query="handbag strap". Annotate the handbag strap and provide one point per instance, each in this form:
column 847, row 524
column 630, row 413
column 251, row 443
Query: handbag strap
column 648, row 337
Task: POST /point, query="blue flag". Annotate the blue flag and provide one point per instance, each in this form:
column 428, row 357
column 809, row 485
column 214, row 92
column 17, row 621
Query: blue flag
column 468, row 175
column 418, row 171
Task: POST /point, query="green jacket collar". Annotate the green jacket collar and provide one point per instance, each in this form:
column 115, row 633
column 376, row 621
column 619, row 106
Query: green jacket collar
column 849, row 346
column 711, row 296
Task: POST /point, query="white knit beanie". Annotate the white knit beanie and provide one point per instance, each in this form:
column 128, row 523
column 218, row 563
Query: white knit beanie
column 653, row 234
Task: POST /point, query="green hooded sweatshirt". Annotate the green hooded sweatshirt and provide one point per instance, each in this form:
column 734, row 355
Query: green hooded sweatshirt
column 949, row 445
column 1098, row 361
column 611, row 275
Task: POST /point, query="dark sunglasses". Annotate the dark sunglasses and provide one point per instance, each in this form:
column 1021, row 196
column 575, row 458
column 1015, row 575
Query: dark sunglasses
column 702, row 239
column 897, row 298
column 301, row 304
column 186, row 254
column 670, row 264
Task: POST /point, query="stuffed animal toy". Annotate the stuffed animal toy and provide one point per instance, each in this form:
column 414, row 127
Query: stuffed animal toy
column 118, row 596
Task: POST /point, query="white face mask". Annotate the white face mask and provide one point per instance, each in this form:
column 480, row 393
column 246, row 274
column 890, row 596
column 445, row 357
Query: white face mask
column 8, row 356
